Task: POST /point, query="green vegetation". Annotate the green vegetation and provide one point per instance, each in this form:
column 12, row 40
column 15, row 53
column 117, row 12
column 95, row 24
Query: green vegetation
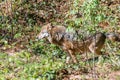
column 24, row 66
column 24, row 58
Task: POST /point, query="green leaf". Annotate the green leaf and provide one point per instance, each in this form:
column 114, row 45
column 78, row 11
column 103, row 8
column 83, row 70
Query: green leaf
column 17, row 35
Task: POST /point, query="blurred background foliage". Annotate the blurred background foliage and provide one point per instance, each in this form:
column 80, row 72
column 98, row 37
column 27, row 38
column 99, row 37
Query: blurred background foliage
column 21, row 21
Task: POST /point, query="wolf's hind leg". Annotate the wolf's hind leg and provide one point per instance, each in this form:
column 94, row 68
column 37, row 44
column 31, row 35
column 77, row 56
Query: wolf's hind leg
column 95, row 49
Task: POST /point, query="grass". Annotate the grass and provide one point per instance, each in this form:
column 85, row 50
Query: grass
column 25, row 66
column 28, row 66
column 46, row 61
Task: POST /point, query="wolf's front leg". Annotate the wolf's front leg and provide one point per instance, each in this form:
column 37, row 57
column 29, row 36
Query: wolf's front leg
column 68, row 59
column 72, row 55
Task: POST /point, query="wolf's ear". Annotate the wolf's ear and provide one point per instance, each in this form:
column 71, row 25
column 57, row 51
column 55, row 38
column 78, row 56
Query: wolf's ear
column 59, row 36
column 49, row 26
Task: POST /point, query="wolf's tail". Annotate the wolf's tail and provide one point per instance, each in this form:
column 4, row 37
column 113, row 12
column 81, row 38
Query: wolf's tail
column 113, row 36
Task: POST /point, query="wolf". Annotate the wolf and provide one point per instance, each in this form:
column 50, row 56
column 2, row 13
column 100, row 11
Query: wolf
column 59, row 36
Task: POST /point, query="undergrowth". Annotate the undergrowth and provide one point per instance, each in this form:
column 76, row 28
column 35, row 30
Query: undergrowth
column 40, row 60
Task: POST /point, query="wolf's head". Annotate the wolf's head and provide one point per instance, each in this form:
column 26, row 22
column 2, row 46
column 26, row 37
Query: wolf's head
column 52, row 33
column 45, row 31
